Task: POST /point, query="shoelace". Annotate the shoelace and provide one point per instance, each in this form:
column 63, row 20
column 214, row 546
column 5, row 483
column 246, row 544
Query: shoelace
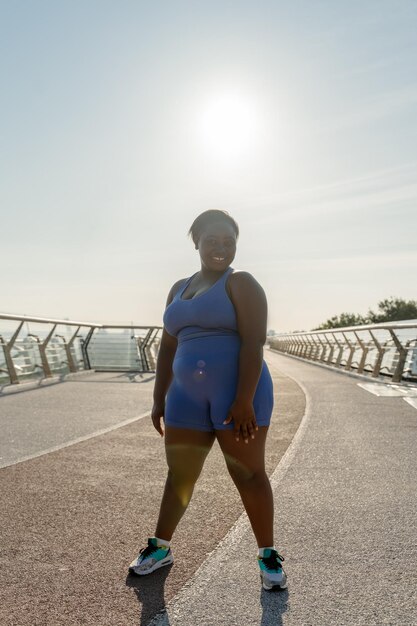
column 273, row 561
column 145, row 552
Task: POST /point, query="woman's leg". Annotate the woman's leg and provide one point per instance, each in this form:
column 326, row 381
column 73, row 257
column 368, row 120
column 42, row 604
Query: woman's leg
column 246, row 465
column 186, row 451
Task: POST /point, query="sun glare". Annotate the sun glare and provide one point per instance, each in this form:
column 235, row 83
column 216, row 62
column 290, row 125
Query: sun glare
column 230, row 127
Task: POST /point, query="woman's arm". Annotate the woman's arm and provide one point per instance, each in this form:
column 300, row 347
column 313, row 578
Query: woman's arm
column 251, row 308
column 163, row 376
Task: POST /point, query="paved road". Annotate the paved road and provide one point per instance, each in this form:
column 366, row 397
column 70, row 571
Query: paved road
column 73, row 519
column 345, row 500
column 345, row 497
column 82, row 406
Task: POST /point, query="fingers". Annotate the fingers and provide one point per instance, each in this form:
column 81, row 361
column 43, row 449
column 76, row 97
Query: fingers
column 247, row 430
column 157, row 424
column 237, row 431
column 251, row 430
column 157, row 416
column 245, row 435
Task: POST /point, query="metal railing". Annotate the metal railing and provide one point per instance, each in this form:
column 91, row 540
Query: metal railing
column 50, row 347
column 379, row 350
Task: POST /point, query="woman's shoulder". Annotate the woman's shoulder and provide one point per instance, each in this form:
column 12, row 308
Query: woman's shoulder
column 178, row 283
column 236, row 272
column 175, row 287
column 242, row 282
column 241, row 277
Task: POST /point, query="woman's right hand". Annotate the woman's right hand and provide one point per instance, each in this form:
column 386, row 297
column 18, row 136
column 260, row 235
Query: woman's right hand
column 157, row 415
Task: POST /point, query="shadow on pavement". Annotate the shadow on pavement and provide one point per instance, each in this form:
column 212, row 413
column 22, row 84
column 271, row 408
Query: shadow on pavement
column 274, row 605
column 7, row 389
column 149, row 592
column 128, row 378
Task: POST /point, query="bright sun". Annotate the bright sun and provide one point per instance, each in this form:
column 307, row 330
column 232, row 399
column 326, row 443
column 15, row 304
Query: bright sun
column 229, row 126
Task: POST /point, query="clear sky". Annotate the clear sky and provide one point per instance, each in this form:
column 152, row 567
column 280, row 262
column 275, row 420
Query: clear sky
column 120, row 121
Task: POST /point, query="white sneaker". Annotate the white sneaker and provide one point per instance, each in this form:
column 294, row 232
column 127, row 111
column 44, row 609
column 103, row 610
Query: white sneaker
column 272, row 573
column 151, row 558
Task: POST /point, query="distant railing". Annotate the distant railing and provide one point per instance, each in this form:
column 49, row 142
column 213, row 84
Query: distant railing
column 388, row 350
column 48, row 347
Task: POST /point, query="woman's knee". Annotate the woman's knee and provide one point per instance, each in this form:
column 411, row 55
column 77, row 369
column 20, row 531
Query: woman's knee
column 185, row 460
column 245, row 475
column 180, row 486
column 185, row 468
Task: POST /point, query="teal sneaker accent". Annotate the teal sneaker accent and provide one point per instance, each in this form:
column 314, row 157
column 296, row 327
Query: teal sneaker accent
column 271, row 570
column 151, row 558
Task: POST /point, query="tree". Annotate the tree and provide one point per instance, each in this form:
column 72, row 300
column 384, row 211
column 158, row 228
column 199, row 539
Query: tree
column 390, row 310
column 344, row 319
column 394, row 310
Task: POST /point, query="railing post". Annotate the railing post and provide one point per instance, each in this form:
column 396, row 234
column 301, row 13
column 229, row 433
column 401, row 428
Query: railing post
column 365, row 351
column 68, row 348
column 402, row 355
column 311, row 345
column 324, row 347
column 294, row 346
column 71, row 365
column 142, row 343
column 315, row 349
column 308, row 347
column 331, row 351
column 381, row 352
column 7, row 349
column 84, row 348
column 340, row 353
column 298, row 345
column 42, row 351
column 151, row 359
column 348, row 365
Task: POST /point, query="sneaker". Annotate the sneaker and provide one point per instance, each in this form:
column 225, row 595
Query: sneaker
column 272, row 573
column 151, row 558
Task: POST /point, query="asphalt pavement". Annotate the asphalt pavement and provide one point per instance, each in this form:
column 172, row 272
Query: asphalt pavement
column 82, row 478
column 345, row 511
column 342, row 461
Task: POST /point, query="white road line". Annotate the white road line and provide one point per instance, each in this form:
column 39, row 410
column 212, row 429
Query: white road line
column 382, row 389
column 96, row 433
column 412, row 402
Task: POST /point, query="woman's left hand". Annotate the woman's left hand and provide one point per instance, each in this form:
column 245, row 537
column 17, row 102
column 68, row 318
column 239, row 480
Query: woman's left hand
column 244, row 419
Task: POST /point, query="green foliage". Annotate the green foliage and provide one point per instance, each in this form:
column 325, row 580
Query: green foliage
column 390, row 310
column 394, row 310
column 344, row 319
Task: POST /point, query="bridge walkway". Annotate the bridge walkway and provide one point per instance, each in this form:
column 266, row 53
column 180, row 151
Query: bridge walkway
column 82, row 477
column 344, row 489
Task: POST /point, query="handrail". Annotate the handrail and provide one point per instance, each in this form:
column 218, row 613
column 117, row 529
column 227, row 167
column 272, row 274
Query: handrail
column 379, row 326
column 371, row 351
column 49, row 320
column 141, row 358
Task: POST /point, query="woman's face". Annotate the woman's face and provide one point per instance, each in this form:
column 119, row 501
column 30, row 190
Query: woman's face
column 217, row 246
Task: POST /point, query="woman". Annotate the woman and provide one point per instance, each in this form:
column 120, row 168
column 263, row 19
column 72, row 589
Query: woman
column 212, row 383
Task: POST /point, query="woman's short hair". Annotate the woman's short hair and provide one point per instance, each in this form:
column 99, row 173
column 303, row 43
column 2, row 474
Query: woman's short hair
column 209, row 217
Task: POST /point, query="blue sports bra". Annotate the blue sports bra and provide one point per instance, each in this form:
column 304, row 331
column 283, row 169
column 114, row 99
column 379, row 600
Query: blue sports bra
column 209, row 313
